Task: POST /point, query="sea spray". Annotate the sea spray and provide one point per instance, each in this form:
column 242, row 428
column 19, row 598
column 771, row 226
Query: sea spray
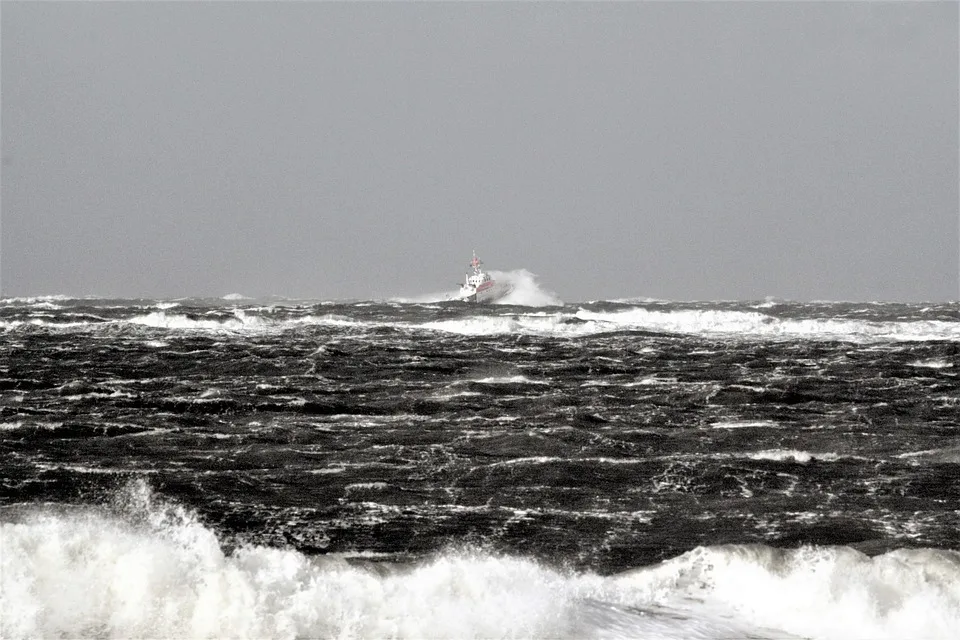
column 525, row 290
column 816, row 592
column 146, row 567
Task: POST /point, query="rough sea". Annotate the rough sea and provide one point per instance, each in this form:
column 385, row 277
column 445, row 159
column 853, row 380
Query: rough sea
column 234, row 468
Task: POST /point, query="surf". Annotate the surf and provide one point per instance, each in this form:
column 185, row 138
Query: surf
column 142, row 566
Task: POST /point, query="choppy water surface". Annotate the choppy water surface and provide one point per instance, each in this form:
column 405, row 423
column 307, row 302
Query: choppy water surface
column 523, row 469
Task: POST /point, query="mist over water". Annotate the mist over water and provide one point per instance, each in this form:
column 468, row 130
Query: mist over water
column 633, row 468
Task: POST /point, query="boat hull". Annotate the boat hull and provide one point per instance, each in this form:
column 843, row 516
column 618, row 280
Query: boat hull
column 485, row 295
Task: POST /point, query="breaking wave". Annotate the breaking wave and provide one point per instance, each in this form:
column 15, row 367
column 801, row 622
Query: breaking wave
column 525, row 290
column 793, row 455
column 471, row 320
column 746, row 323
column 35, row 299
column 493, row 325
column 147, row 568
column 720, row 323
column 164, row 320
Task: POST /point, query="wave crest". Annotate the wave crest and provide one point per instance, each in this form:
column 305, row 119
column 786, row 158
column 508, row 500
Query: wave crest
column 145, row 567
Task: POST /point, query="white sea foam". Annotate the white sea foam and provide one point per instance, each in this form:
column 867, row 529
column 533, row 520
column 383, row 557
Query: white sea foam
column 783, row 455
column 92, row 395
column 819, row 592
column 158, row 572
column 722, row 323
column 36, row 300
column 941, row 455
column 327, row 470
column 37, row 322
column 377, row 486
column 518, row 379
column 634, row 300
column 457, row 394
column 12, row 426
column 757, row 324
column 938, row 363
column 90, row 575
column 525, row 290
column 715, row 322
column 496, row 325
column 744, row 424
column 163, row 320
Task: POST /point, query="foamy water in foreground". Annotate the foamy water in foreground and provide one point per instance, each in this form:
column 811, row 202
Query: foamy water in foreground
column 152, row 570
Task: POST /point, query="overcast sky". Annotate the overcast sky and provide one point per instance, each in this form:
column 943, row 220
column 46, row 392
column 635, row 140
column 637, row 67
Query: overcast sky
column 355, row 150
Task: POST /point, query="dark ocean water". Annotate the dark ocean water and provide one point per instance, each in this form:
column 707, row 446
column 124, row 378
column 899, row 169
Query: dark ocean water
column 215, row 468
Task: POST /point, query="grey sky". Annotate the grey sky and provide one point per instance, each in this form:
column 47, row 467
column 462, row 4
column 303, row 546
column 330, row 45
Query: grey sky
column 355, row 150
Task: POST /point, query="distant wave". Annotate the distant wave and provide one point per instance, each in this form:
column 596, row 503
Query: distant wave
column 716, row 320
column 36, row 299
column 757, row 324
column 164, row 320
column 494, row 325
column 721, row 323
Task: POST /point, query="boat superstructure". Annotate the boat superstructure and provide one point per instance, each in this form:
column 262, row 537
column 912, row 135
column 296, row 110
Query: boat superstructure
column 479, row 286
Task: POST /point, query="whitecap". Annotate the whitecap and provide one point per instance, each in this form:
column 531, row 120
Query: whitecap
column 151, row 569
column 938, row 363
column 783, row 455
column 755, row 324
column 744, row 424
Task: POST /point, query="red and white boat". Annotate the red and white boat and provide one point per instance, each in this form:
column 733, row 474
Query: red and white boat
column 480, row 287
